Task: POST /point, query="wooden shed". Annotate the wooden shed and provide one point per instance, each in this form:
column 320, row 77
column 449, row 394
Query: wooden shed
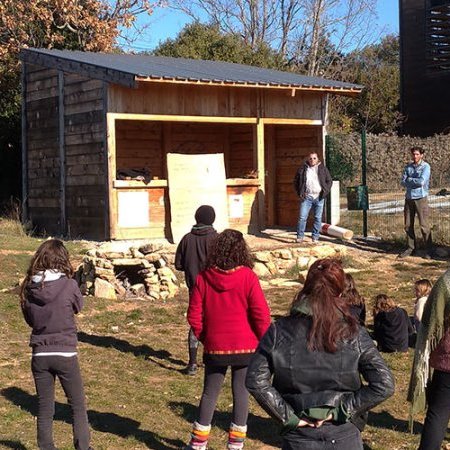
column 88, row 115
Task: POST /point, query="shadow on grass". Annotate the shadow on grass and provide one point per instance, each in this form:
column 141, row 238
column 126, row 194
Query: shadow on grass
column 387, row 421
column 16, row 445
column 103, row 422
column 150, row 354
column 262, row 429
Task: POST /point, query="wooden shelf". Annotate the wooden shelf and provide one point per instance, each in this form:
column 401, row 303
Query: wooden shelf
column 243, row 182
column 139, row 184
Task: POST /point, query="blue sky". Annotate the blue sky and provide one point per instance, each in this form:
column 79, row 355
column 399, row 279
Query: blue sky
column 165, row 23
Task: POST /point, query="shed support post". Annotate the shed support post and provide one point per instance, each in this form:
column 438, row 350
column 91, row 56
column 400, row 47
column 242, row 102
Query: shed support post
column 260, row 167
column 62, row 154
column 24, row 145
column 111, row 158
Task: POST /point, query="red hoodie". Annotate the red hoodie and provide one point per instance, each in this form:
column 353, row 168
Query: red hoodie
column 228, row 311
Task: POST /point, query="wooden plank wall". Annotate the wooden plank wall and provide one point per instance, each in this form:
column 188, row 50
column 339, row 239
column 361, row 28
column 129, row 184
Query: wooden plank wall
column 292, row 144
column 84, row 124
column 144, row 144
column 43, row 150
column 188, row 100
column 249, row 222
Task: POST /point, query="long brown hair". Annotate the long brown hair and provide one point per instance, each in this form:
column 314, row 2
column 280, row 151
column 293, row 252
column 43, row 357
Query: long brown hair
column 332, row 321
column 229, row 250
column 350, row 292
column 383, row 303
column 51, row 255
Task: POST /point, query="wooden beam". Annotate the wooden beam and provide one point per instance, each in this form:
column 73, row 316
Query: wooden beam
column 62, row 154
column 108, row 181
column 174, row 118
column 281, row 121
column 352, row 92
column 260, row 167
column 23, row 82
column 111, row 157
column 271, row 175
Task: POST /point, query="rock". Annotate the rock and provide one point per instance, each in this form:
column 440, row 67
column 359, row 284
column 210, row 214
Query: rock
column 91, row 253
column 152, row 257
column 147, row 264
column 161, row 262
column 261, row 270
column 302, row 276
column 169, row 258
column 111, row 255
column 150, row 248
column 302, row 262
column 120, row 289
column 115, row 329
column 138, row 289
column 272, row 267
column 103, row 289
column 263, row 257
column 135, row 253
column 153, row 287
column 153, row 295
column 164, row 295
column 285, row 254
column 127, row 262
column 168, row 273
column 284, row 264
column 441, row 252
column 106, row 274
column 144, row 272
column 154, row 279
column 322, row 251
column 311, row 261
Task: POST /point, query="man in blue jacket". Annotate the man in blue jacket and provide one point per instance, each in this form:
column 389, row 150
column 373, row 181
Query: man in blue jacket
column 416, row 180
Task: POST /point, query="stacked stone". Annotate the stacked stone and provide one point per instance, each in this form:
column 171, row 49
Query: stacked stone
column 97, row 277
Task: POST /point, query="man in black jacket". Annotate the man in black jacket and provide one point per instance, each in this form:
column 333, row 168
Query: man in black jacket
column 312, row 183
column 190, row 257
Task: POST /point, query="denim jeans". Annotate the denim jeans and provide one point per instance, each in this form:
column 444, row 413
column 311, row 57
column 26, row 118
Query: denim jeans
column 438, row 412
column 328, row 437
column 45, row 369
column 316, row 204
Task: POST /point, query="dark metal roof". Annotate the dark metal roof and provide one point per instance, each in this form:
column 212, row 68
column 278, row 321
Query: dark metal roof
column 129, row 67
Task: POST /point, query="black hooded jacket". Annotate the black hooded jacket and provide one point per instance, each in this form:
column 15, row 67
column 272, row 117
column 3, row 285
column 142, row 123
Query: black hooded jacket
column 192, row 252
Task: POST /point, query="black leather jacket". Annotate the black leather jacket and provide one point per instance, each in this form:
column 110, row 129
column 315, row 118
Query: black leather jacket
column 303, row 379
column 325, row 180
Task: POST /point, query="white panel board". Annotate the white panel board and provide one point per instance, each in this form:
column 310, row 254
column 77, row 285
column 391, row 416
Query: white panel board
column 196, row 180
column 133, row 209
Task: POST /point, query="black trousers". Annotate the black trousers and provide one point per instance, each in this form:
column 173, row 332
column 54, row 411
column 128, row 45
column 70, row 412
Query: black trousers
column 214, row 376
column 438, row 412
column 45, row 369
column 328, row 437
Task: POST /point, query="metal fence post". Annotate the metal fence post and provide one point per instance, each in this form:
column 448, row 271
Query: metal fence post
column 328, row 148
column 364, row 174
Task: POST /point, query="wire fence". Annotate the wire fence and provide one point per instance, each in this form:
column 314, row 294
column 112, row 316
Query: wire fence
column 385, row 219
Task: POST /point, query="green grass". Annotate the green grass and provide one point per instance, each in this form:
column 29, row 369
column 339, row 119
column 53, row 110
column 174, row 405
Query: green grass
column 132, row 354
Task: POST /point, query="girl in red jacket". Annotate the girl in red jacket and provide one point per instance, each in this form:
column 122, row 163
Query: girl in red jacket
column 228, row 313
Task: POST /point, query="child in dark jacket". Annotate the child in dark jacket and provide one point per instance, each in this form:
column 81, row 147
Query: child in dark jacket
column 392, row 326
column 49, row 298
column 190, row 257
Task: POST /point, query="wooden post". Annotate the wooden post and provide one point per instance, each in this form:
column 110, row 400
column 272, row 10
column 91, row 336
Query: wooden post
column 62, row 154
column 108, row 181
column 111, row 154
column 260, row 167
column 23, row 80
column 271, row 175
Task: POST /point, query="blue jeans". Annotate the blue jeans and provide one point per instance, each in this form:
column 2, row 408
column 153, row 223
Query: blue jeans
column 305, row 206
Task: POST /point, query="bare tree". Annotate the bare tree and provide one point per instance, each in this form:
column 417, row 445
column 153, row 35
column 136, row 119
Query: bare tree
column 311, row 34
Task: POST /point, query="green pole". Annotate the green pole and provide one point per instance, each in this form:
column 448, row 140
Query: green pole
column 364, row 174
column 328, row 149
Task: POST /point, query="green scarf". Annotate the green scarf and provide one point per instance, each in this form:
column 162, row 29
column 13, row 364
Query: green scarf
column 430, row 333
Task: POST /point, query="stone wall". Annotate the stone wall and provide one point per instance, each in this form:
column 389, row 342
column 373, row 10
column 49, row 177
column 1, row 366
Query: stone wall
column 387, row 156
column 147, row 272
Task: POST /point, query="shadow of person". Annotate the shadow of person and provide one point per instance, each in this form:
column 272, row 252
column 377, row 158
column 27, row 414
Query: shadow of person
column 261, row 429
column 104, row 422
column 150, row 354
column 385, row 419
column 16, row 445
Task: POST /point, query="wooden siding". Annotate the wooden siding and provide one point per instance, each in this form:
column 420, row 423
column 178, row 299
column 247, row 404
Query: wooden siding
column 424, row 93
column 292, row 144
column 84, row 131
column 43, row 165
column 150, row 98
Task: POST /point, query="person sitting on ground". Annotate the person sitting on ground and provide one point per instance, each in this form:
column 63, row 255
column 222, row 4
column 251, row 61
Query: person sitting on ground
column 354, row 299
column 191, row 256
column 392, row 326
column 422, row 289
column 229, row 314
column 307, row 370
